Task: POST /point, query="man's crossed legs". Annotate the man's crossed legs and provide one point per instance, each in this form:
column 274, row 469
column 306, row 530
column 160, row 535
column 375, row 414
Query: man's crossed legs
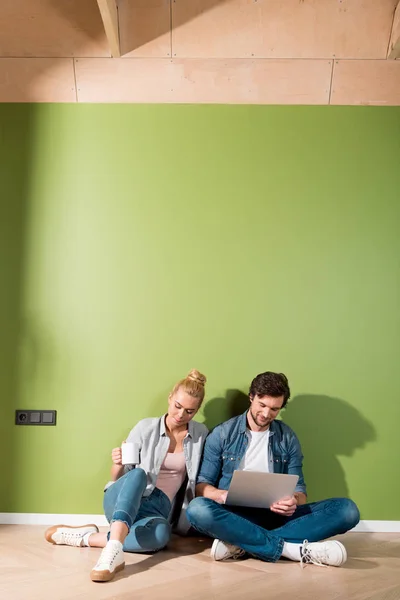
column 268, row 536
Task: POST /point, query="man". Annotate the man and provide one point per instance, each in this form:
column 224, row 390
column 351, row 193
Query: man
column 290, row 528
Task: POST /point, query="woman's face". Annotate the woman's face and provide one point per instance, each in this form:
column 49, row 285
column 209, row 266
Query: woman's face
column 182, row 407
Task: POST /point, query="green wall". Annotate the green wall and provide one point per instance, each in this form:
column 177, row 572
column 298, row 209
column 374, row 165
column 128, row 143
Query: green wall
column 138, row 242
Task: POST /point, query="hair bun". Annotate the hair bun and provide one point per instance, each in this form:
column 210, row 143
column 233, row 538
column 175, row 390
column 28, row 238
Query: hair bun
column 195, row 375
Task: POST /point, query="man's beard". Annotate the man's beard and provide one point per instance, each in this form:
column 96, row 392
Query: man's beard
column 257, row 421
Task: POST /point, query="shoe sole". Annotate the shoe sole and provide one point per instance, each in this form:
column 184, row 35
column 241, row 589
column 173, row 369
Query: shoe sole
column 104, row 576
column 213, row 553
column 51, row 530
column 214, row 549
column 344, row 554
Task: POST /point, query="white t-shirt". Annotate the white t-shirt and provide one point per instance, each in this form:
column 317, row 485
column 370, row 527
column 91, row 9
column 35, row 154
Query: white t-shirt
column 256, row 455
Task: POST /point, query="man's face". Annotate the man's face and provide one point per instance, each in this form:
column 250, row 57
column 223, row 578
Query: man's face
column 265, row 409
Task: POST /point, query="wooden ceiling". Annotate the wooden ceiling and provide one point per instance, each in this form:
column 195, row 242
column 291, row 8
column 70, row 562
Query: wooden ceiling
column 246, row 51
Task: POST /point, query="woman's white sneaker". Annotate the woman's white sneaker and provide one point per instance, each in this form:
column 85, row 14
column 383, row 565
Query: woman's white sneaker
column 223, row 551
column 64, row 535
column 323, row 554
column 110, row 562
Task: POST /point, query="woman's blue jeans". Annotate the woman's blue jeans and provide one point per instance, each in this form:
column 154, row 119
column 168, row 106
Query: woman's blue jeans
column 146, row 518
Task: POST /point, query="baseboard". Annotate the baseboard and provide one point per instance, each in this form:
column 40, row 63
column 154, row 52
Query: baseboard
column 377, row 527
column 100, row 521
column 50, row 519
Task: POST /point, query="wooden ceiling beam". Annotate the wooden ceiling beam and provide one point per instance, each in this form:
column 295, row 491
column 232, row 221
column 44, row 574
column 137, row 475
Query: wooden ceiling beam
column 394, row 44
column 109, row 14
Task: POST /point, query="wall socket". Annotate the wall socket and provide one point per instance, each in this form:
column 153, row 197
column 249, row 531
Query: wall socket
column 35, row 417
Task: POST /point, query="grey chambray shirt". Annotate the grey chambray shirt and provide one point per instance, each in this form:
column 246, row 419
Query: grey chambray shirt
column 153, row 441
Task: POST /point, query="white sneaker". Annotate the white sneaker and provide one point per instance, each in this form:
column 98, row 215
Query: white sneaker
column 68, row 536
column 322, row 554
column 223, row 551
column 110, row 562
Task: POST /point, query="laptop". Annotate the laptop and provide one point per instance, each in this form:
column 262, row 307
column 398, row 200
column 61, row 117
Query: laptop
column 259, row 490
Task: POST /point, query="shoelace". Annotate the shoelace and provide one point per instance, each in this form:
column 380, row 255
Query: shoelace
column 238, row 553
column 71, row 538
column 107, row 557
column 314, row 557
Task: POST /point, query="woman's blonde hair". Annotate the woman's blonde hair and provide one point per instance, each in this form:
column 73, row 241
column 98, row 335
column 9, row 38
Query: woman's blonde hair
column 193, row 384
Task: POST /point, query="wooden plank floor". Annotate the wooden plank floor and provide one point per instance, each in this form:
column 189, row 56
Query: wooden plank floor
column 32, row 568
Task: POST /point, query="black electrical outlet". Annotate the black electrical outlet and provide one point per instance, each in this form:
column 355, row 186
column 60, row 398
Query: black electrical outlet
column 35, row 417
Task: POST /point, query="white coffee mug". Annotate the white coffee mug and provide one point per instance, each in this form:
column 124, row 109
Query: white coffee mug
column 130, row 453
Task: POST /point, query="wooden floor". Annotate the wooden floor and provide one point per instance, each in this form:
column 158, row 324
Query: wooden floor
column 32, row 568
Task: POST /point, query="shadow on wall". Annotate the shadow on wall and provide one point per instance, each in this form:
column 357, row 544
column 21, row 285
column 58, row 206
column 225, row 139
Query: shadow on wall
column 327, row 428
column 218, row 410
column 16, row 124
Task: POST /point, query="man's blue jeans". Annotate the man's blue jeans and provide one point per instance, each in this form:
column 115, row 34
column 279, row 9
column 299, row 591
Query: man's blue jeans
column 262, row 533
column 146, row 518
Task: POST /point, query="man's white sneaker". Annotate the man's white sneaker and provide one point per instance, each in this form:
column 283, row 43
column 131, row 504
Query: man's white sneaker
column 110, row 562
column 68, row 536
column 322, row 554
column 223, row 551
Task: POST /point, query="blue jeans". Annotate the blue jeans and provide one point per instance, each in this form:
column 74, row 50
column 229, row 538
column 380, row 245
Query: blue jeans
column 262, row 533
column 146, row 518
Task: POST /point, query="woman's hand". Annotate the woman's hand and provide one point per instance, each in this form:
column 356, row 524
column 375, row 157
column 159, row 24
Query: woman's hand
column 116, row 456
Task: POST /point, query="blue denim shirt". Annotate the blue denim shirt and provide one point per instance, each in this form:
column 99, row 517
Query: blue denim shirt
column 227, row 443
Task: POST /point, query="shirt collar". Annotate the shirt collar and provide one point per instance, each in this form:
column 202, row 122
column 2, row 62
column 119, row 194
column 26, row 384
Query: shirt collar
column 243, row 424
column 163, row 430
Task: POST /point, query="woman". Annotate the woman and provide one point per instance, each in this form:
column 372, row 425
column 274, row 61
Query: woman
column 140, row 502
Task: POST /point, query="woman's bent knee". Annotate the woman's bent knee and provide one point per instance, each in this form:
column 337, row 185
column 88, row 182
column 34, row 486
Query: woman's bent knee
column 162, row 535
column 152, row 535
column 138, row 475
column 136, row 478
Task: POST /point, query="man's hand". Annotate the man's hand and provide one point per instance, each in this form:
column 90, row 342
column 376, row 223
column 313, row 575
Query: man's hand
column 209, row 491
column 285, row 507
column 222, row 496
